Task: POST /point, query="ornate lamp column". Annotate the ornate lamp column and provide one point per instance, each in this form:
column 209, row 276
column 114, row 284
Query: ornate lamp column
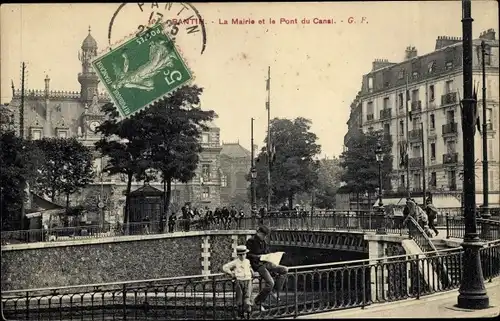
column 379, row 154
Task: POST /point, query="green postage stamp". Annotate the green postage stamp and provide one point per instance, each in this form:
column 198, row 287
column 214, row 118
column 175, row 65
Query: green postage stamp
column 142, row 70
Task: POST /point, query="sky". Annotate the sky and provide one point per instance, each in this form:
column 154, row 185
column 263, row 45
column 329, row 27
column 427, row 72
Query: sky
column 316, row 69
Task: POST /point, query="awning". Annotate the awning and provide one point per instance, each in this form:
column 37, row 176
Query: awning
column 392, row 201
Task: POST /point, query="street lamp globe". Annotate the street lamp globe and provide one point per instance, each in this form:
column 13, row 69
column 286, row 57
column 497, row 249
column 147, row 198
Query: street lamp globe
column 379, row 153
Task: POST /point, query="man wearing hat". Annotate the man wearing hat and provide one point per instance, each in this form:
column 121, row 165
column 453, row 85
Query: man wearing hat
column 239, row 269
column 257, row 245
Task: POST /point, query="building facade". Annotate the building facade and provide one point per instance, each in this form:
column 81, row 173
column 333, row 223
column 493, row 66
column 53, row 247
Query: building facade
column 434, row 83
column 235, row 166
column 55, row 113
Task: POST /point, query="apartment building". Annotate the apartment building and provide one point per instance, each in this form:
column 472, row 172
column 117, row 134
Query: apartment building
column 434, row 83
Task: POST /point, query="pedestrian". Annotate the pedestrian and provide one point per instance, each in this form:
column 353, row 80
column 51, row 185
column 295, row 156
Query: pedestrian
column 226, row 217
column 241, row 272
column 432, row 215
column 171, row 222
column 257, row 245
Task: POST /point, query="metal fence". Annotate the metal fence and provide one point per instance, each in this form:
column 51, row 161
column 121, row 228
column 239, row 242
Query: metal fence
column 487, row 229
column 308, row 289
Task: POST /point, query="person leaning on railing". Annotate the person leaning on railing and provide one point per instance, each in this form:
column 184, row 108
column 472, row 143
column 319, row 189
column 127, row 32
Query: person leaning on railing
column 257, row 245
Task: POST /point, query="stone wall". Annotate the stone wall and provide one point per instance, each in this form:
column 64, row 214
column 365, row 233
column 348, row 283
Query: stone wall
column 113, row 259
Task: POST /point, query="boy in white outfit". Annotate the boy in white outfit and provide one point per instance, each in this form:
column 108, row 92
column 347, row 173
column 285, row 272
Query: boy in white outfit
column 241, row 271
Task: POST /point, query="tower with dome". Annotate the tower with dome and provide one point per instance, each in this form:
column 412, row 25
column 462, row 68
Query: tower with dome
column 60, row 113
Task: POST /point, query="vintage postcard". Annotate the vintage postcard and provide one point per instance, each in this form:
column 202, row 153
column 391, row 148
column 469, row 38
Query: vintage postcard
column 340, row 155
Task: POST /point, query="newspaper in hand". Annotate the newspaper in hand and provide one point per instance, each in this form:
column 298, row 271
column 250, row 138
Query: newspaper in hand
column 274, row 258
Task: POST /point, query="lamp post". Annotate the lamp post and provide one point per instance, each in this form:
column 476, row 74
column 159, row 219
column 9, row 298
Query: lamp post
column 379, row 154
column 472, row 291
column 253, row 176
column 485, row 210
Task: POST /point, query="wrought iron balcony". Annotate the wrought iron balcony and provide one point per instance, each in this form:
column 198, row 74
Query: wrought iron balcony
column 415, row 162
column 449, row 99
column 416, row 106
column 450, row 129
column 385, row 113
column 415, row 135
column 369, row 117
column 450, row 158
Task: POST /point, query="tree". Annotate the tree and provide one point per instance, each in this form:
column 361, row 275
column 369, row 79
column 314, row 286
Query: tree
column 293, row 169
column 19, row 159
column 329, row 178
column 175, row 129
column 359, row 162
column 124, row 143
column 66, row 169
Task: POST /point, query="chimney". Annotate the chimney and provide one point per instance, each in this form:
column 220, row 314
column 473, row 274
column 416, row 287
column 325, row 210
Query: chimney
column 380, row 63
column 47, row 87
column 410, row 52
column 488, row 35
column 445, row 41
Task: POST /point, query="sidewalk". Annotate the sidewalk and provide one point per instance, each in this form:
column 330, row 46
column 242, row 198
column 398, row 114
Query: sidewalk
column 440, row 305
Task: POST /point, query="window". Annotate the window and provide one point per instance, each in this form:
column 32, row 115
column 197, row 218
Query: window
column 223, row 180
column 62, row 134
column 491, row 152
column 491, row 180
column 386, row 103
column 416, row 181
column 416, row 123
column 433, row 121
column 487, row 56
column 431, row 67
column 400, row 100
column 401, row 74
column 449, row 65
column 452, row 180
column 450, row 116
column 489, row 114
column 205, row 138
column 206, row 192
column 415, row 74
column 387, row 129
column 401, row 127
column 402, row 180
column 416, row 151
column 448, row 87
column 369, row 108
column 414, row 95
column 433, row 182
column 205, row 172
column 370, row 84
column 450, row 147
column 431, row 93
column 36, row 134
column 433, row 150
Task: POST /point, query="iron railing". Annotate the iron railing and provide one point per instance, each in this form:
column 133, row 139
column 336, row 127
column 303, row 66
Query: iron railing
column 488, row 229
column 320, row 220
column 308, row 289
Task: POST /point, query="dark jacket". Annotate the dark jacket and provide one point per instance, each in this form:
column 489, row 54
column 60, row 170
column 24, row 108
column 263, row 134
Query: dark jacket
column 256, row 247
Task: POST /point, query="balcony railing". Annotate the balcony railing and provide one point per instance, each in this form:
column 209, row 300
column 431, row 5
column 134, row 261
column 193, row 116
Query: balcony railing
column 415, row 162
column 448, row 99
column 415, row 134
column 369, row 117
column 450, row 129
column 385, row 113
column 416, row 106
column 450, row 158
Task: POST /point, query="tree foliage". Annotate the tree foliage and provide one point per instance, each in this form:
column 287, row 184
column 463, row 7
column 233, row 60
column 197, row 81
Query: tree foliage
column 67, row 167
column 329, row 179
column 19, row 160
column 165, row 138
column 361, row 172
column 293, row 168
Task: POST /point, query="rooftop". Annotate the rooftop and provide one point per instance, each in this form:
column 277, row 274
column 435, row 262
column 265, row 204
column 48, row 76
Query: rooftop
column 234, row 150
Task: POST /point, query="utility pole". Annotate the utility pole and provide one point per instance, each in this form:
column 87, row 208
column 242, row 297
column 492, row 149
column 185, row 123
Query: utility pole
column 21, row 108
column 472, row 291
column 268, row 147
column 424, row 186
column 252, row 170
column 486, row 212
